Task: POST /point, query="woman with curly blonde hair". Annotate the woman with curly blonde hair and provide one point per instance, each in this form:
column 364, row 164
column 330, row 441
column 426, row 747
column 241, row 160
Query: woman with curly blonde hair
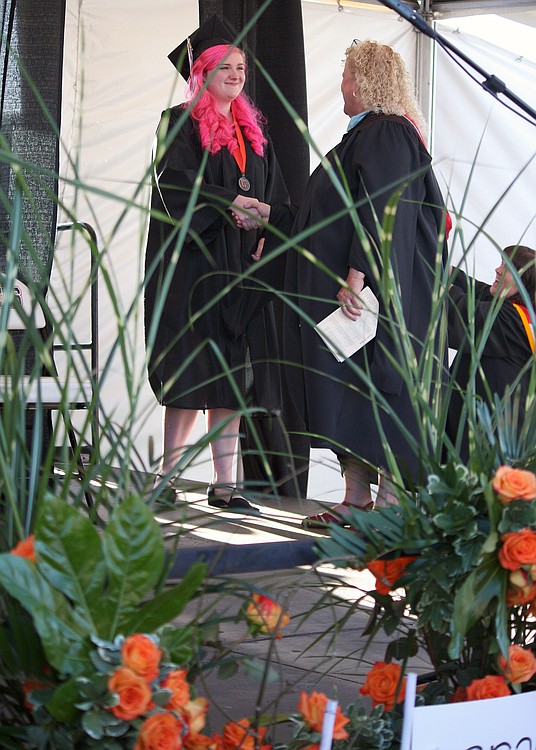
column 385, row 85
column 382, row 167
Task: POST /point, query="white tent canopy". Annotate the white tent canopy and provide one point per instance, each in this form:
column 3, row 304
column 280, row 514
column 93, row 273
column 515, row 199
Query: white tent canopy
column 117, row 80
column 518, row 10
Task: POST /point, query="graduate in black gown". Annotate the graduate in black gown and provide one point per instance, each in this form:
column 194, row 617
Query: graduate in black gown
column 383, row 152
column 211, row 153
column 493, row 332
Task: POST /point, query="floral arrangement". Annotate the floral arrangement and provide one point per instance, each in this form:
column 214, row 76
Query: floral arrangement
column 108, row 668
column 134, row 692
column 114, row 673
column 460, row 557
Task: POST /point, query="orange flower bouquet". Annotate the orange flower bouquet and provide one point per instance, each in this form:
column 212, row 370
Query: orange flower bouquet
column 115, row 672
column 459, row 557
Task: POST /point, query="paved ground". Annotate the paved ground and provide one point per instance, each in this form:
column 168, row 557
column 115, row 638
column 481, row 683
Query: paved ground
column 323, row 647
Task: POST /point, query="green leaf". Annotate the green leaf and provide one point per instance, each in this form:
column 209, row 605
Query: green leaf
column 116, row 730
column 482, row 585
column 20, row 646
column 227, row 669
column 63, row 637
column 162, row 697
column 502, row 620
column 165, row 607
column 518, row 515
column 62, row 704
column 256, row 669
column 93, row 725
column 134, row 553
column 402, row 648
column 180, row 642
column 493, row 505
column 12, row 737
column 70, row 557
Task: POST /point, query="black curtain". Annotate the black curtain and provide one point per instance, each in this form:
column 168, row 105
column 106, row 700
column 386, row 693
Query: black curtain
column 31, row 59
column 276, row 40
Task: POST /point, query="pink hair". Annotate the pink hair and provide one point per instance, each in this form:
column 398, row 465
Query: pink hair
column 215, row 130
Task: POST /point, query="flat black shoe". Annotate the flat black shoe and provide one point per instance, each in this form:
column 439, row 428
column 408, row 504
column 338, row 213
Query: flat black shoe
column 167, row 494
column 233, row 501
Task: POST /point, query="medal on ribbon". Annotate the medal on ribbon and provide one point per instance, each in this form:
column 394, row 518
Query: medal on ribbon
column 240, row 158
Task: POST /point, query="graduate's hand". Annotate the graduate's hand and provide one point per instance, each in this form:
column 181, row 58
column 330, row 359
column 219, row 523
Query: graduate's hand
column 249, row 213
column 258, row 252
column 245, row 212
column 347, row 295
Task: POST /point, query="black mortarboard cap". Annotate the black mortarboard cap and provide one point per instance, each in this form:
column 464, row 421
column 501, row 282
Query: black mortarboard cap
column 210, row 34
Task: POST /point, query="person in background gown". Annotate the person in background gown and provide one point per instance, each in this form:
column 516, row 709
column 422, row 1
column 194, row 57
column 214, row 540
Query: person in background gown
column 382, row 151
column 509, row 342
column 193, row 331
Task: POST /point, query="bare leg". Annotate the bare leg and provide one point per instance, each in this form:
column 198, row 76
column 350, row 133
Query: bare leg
column 357, row 478
column 386, row 493
column 224, row 446
column 178, row 425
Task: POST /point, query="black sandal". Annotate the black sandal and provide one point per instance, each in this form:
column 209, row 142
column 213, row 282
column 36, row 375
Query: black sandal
column 232, row 501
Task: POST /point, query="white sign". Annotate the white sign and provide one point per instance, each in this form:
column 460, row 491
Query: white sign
column 507, row 723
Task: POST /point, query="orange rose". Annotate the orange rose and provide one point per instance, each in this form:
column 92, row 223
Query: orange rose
column 195, row 714
column 141, row 654
column 25, row 548
column 312, row 708
column 382, row 683
column 240, row 735
column 133, row 691
column 514, row 484
column 520, row 665
column 177, row 683
column 160, row 732
column 490, row 686
column 202, row 742
column 266, row 614
column 388, row 572
column 518, row 548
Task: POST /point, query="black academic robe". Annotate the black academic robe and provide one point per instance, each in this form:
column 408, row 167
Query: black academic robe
column 505, row 351
column 380, row 154
column 202, row 349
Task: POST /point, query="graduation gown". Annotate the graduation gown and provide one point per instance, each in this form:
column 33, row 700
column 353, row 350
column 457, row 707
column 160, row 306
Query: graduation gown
column 378, row 155
column 505, row 353
column 194, row 330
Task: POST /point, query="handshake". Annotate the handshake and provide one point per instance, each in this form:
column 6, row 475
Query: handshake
column 249, row 213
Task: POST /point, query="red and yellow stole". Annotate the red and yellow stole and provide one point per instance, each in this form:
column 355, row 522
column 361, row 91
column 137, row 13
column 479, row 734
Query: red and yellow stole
column 527, row 324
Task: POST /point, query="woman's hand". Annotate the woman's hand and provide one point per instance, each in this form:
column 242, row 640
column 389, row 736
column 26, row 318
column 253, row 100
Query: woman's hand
column 249, row 213
column 258, row 252
column 347, row 295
